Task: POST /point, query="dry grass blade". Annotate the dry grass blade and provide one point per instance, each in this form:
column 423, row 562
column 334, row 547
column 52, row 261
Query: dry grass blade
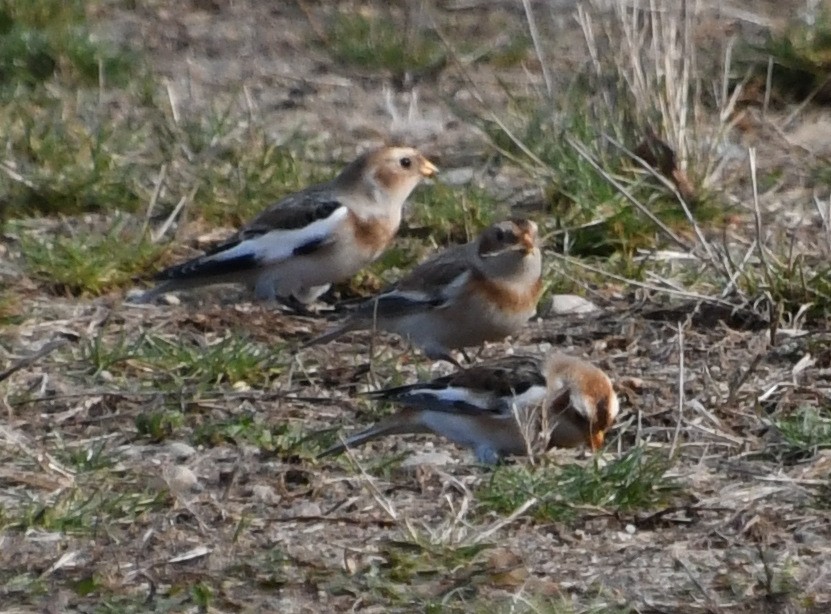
column 535, row 37
column 28, row 361
column 586, row 155
column 681, row 398
column 168, row 460
column 639, row 284
column 712, row 258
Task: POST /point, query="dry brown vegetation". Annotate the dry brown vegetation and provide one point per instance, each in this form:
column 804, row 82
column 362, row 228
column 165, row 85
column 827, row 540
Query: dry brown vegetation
column 162, row 458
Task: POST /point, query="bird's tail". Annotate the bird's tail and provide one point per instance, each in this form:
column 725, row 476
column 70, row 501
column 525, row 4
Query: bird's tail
column 333, row 333
column 400, row 423
column 164, row 287
column 229, row 262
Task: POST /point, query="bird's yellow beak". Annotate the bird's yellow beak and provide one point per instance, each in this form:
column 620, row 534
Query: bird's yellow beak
column 596, row 441
column 427, row 168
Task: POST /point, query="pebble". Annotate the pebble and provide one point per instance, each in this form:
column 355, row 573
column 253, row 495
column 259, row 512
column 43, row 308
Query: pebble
column 563, row 304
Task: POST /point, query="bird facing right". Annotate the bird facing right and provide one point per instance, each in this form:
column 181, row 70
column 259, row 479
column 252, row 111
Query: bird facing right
column 464, row 296
column 321, row 235
column 510, row 406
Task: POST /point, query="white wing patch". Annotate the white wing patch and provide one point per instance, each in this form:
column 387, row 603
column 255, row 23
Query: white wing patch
column 452, row 395
column 455, row 287
column 481, row 399
column 446, row 292
column 278, row 245
column 532, row 396
column 406, row 295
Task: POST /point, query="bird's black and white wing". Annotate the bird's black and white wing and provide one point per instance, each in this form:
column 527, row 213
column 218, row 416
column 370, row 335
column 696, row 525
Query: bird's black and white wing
column 495, row 387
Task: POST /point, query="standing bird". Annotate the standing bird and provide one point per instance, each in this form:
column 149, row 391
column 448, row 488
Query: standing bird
column 506, row 407
column 468, row 294
column 299, row 246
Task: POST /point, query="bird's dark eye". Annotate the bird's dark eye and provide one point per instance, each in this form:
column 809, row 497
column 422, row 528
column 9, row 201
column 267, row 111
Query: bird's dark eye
column 499, row 234
column 406, row 162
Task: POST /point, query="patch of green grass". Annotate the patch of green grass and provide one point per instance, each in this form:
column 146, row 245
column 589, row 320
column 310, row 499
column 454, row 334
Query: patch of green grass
column 581, row 142
column 86, row 506
column 185, row 361
column 173, row 600
column 103, row 353
column 793, row 283
column 821, row 173
column 67, row 149
column 182, row 361
column 10, row 308
column 513, row 53
column 452, row 215
column 285, row 439
column 635, row 481
column 87, row 458
column 69, row 155
column 804, row 431
column 159, row 425
column 18, row 583
column 374, row 41
column 410, row 572
column 591, row 215
column 406, row 561
column 243, row 173
column 95, row 133
column 822, row 496
column 86, row 262
column 801, row 55
column 201, row 595
column 266, row 569
column 49, row 39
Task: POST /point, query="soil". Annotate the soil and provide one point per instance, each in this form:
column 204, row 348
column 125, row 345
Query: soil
column 264, row 531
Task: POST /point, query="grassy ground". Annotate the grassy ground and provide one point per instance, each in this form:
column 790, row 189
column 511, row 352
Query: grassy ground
column 163, row 458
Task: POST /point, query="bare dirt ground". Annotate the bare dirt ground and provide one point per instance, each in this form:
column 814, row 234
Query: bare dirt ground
column 210, row 520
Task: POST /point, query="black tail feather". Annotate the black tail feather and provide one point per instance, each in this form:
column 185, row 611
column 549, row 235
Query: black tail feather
column 206, row 266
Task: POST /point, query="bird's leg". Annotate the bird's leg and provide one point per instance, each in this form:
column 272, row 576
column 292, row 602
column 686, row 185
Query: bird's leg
column 481, row 350
column 301, row 309
column 295, row 306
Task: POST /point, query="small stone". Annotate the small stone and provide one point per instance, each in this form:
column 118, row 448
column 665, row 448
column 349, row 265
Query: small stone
column 265, row 494
column 630, row 528
column 132, row 451
column 180, row 479
column 427, row 458
column 565, row 304
column 180, row 449
column 308, row 509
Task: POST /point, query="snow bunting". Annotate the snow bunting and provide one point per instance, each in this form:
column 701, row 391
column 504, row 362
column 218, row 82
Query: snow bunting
column 506, row 407
column 468, row 294
column 321, row 235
